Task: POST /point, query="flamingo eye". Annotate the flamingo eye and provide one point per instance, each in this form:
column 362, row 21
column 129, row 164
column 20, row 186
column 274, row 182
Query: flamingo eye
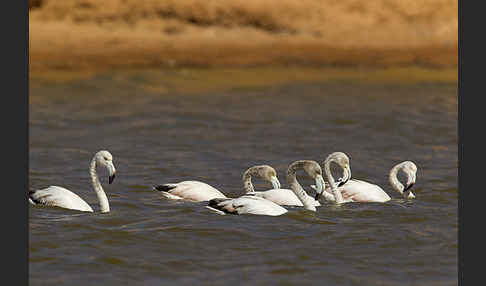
column 106, row 158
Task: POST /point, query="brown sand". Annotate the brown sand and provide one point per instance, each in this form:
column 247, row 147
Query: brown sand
column 98, row 35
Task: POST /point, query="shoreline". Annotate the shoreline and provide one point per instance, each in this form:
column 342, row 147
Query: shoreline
column 177, row 80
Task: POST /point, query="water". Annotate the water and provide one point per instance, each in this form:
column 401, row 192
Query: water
column 214, row 137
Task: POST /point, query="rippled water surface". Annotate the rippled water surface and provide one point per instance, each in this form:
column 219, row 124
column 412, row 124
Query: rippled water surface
column 214, row 137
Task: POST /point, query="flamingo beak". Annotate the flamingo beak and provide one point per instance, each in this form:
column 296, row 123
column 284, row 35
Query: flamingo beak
column 346, row 175
column 409, row 186
column 111, row 178
column 410, row 183
column 407, row 189
column 111, row 171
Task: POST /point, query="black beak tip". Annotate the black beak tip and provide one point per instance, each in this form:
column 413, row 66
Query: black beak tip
column 341, row 182
column 111, row 178
column 409, row 187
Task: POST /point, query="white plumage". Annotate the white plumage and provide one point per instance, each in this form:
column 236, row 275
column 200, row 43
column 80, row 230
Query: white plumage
column 283, row 197
column 246, row 204
column 359, row 191
column 189, row 190
column 59, row 197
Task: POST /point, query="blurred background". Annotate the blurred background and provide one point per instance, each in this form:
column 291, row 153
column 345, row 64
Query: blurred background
column 202, row 90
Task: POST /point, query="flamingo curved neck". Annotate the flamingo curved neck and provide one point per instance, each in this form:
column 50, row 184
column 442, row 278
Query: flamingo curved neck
column 247, row 182
column 393, row 179
column 247, row 179
column 307, row 201
column 103, row 200
column 337, row 194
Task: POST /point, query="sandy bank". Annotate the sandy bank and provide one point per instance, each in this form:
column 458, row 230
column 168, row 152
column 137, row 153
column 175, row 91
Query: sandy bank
column 93, row 35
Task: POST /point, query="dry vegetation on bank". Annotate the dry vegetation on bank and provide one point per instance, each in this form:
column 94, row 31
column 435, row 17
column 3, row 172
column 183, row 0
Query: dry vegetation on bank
column 92, row 34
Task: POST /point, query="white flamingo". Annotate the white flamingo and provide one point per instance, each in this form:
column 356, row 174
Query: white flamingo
column 251, row 204
column 195, row 191
column 64, row 198
column 282, row 197
column 354, row 190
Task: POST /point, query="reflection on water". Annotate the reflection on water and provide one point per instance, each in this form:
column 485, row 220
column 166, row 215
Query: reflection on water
column 214, row 137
